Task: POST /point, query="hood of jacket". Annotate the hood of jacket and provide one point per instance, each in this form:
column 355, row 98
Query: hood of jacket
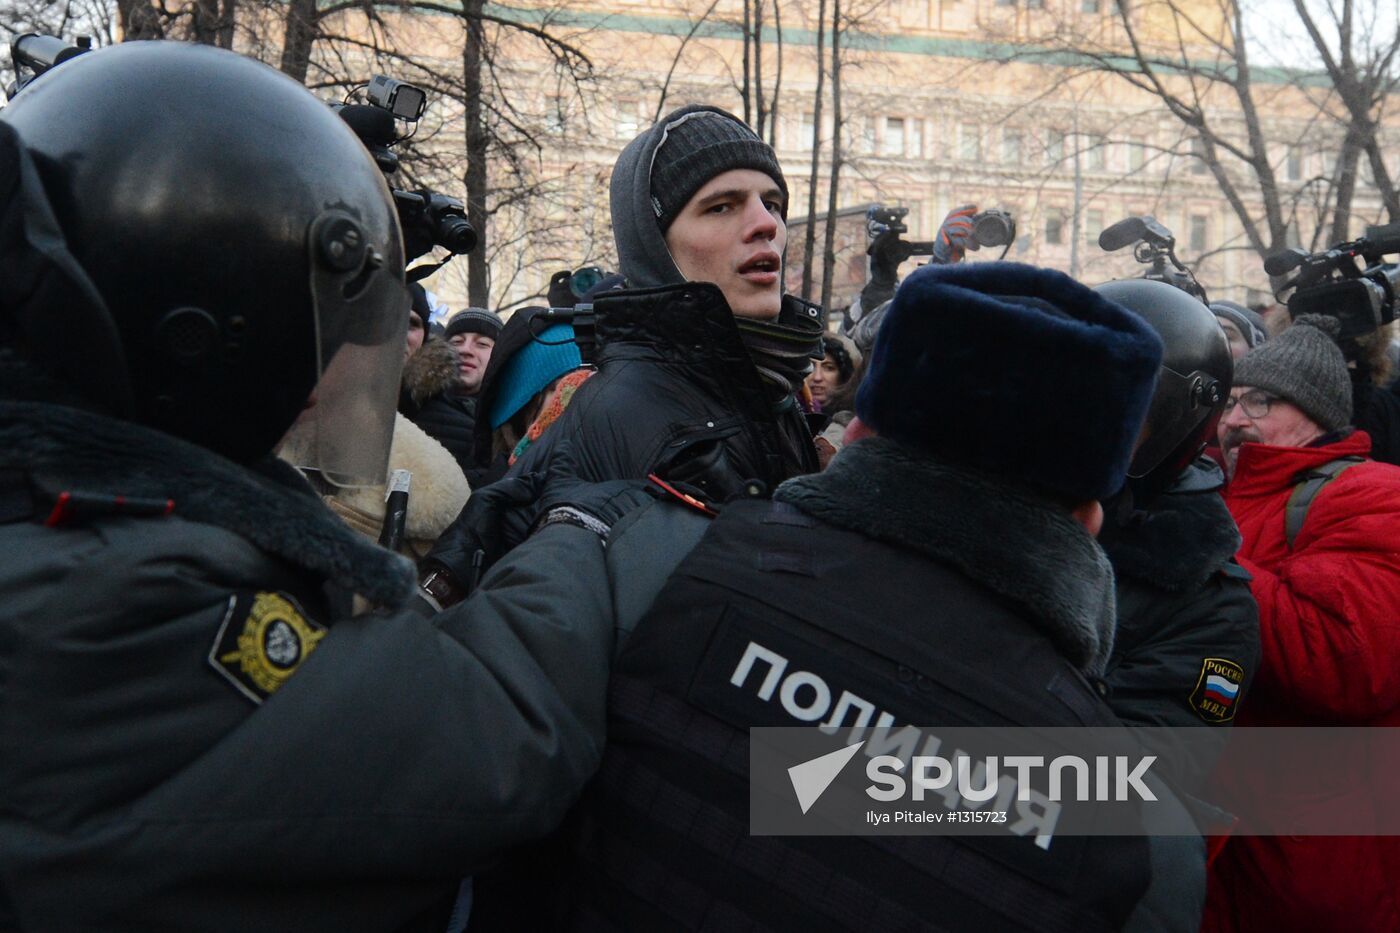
column 431, row 371
column 643, row 257
column 1010, row 539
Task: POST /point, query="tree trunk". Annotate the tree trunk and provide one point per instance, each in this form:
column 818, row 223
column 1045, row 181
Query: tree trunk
column 760, row 111
column 224, row 38
column 478, row 282
column 1345, row 182
column 829, row 243
column 748, row 42
column 139, row 20
column 206, row 22
column 809, row 245
column 302, row 24
column 778, row 78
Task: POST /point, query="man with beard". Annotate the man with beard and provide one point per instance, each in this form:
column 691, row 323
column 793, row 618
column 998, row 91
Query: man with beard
column 1321, row 529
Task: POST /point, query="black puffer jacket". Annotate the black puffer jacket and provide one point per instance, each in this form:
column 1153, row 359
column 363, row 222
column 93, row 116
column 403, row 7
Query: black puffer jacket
column 1181, row 599
column 1377, row 412
column 677, row 394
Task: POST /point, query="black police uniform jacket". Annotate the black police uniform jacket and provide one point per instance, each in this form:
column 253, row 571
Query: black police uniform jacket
column 677, row 394
column 897, row 580
column 195, row 734
column 1184, row 611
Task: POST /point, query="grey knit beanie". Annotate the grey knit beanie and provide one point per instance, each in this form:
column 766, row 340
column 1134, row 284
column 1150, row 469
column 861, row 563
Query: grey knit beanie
column 699, row 146
column 1303, row 365
column 475, row 321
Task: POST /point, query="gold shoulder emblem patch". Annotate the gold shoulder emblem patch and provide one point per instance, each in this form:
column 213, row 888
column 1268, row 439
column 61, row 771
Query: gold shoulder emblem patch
column 1217, row 689
column 262, row 651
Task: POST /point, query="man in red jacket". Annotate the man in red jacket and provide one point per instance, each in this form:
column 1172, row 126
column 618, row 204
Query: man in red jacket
column 1321, row 529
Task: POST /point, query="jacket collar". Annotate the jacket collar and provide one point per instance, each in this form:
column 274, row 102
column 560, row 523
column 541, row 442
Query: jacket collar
column 1265, row 469
column 1173, row 540
column 692, row 326
column 1004, row 536
column 268, row 503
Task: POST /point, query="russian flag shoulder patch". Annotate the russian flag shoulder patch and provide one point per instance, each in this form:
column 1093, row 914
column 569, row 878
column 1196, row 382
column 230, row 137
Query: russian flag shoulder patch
column 1217, row 690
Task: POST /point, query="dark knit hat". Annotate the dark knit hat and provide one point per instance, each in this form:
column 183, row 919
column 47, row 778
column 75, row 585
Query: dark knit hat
column 474, row 321
column 1250, row 324
column 697, row 147
column 1303, row 365
column 1018, row 371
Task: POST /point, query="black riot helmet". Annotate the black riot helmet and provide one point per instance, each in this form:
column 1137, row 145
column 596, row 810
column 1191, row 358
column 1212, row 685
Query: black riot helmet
column 193, row 241
column 1192, row 385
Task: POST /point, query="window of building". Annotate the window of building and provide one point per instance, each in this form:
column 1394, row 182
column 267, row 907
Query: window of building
column 1295, row 164
column 1054, row 147
column 1011, row 147
column 1054, row 227
column 806, row 131
column 1093, row 225
column 1198, row 156
column 1094, row 150
column 1006, row 2
column 970, row 143
column 1035, row 4
column 894, row 136
column 1089, row 6
column 1137, row 155
column 914, row 127
column 1200, row 241
column 626, row 125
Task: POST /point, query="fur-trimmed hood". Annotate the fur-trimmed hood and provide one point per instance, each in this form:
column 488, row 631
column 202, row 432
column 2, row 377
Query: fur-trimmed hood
column 1007, row 537
column 431, row 371
column 268, row 503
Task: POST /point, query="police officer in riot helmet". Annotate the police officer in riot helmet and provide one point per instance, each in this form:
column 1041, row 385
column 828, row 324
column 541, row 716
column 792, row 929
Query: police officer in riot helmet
column 1183, row 602
column 195, row 256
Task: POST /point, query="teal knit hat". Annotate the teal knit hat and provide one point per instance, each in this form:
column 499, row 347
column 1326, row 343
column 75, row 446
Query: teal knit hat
column 541, row 361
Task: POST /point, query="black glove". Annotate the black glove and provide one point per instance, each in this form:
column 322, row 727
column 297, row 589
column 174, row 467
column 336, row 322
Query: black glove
column 495, row 519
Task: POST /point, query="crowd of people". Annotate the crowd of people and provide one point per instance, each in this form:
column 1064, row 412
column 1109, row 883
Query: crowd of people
column 243, row 685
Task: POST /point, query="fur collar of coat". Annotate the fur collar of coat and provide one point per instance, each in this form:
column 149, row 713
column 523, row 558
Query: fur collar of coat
column 267, row 503
column 1007, row 537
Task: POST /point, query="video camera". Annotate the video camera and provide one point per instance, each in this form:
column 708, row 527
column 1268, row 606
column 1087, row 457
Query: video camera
column 428, row 218
column 1155, row 245
column 1362, row 296
column 38, row 54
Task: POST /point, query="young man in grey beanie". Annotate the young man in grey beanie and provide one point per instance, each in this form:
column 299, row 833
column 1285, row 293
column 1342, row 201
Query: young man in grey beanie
column 1320, row 522
column 700, row 355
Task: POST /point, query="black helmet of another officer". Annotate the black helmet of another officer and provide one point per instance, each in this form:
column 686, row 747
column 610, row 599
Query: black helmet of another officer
column 194, row 242
column 1192, row 385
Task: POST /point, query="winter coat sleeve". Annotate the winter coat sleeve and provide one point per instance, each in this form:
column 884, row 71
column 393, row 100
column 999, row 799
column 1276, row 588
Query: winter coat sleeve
column 1151, row 682
column 443, row 741
column 1329, row 612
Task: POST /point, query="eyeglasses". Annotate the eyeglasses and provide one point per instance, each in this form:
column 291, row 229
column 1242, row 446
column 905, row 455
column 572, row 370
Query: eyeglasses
column 1255, row 404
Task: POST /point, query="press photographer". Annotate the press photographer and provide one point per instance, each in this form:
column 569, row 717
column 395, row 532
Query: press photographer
column 965, row 228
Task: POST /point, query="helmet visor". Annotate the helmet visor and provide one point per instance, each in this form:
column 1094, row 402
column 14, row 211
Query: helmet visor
column 1179, row 405
column 361, row 327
